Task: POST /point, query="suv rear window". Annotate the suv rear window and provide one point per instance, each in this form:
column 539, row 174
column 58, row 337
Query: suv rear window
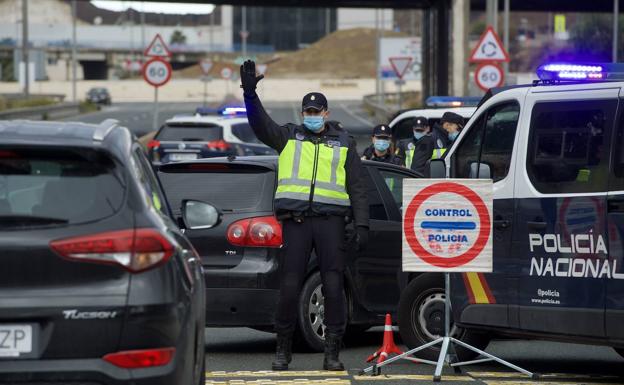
column 57, row 186
column 190, row 133
column 244, row 132
column 237, row 189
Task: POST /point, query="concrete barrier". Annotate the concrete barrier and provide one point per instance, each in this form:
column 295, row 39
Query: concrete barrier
column 52, row 112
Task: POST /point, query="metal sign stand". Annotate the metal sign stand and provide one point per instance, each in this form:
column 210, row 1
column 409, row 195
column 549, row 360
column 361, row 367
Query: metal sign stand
column 447, row 342
column 155, row 125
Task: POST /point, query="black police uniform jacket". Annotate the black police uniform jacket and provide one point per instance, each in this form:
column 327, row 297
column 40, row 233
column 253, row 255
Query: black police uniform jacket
column 423, row 150
column 276, row 137
column 369, row 154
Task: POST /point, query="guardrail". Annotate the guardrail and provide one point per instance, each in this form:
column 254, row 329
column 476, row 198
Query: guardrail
column 51, row 112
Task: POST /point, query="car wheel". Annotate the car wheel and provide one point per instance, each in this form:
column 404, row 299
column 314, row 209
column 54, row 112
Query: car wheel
column 311, row 315
column 421, row 319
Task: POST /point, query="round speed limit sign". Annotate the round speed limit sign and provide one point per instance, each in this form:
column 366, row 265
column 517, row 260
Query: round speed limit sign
column 157, row 72
column 489, row 75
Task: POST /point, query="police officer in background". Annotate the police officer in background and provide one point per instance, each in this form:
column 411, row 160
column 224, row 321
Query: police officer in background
column 381, row 148
column 452, row 124
column 417, row 150
column 319, row 185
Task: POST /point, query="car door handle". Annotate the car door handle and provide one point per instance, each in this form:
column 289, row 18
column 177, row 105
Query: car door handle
column 536, row 225
column 501, row 223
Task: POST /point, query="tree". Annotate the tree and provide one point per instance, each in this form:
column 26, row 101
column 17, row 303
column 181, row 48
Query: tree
column 177, row 37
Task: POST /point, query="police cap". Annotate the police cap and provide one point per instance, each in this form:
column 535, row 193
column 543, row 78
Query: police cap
column 452, row 117
column 382, row 130
column 314, row 100
column 420, row 122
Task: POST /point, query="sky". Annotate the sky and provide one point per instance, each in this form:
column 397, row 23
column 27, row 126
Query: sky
column 147, row 6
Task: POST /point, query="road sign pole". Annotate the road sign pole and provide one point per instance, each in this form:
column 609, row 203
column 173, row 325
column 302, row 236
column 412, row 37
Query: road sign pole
column 205, row 92
column 155, row 125
column 400, row 89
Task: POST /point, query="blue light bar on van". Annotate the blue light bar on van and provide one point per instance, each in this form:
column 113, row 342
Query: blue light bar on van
column 452, row 101
column 566, row 71
column 234, row 111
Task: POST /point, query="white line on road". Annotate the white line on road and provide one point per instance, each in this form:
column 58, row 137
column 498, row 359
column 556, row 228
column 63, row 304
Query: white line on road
column 355, row 116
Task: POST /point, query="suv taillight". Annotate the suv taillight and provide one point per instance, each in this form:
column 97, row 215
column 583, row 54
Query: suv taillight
column 135, row 359
column 153, row 144
column 220, row 145
column 255, row 232
column 135, row 250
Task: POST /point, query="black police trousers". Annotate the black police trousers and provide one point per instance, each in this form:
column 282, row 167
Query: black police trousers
column 324, row 234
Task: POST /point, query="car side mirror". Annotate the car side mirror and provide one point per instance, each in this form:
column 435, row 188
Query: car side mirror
column 480, row 171
column 198, row 215
column 437, row 169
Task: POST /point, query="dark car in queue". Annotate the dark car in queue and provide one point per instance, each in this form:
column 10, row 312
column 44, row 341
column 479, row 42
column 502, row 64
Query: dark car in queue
column 98, row 285
column 189, row 137
column 227, row 206
column 99, row 95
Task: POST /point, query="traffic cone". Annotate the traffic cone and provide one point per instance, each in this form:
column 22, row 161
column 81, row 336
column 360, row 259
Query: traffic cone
column 388, row 345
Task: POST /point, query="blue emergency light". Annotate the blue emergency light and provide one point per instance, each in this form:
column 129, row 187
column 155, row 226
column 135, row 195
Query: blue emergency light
column 452, row 101
column 580, row 72
column 234, row 111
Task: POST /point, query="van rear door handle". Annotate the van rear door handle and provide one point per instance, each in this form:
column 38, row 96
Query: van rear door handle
column 536, row 225
column 501, row 224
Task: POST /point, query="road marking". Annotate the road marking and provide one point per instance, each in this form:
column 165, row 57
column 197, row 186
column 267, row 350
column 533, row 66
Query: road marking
column 568, row 376
column 414, row 377
column 269, row 373
column 302, row 381
column 355, row 116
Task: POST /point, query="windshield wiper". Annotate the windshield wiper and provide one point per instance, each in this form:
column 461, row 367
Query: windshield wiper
column 20, row 220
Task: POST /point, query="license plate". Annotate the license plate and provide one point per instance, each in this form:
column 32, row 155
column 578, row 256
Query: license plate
column 15, row 340
column 182, row 156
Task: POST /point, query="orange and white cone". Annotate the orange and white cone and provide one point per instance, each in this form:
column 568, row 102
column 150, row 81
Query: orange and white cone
column 388, row 345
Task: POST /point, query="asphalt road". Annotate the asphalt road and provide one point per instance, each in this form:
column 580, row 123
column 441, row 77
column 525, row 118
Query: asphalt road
column 240, row 356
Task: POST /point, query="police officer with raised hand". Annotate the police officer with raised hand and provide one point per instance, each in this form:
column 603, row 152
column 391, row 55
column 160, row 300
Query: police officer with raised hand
column 319, row 185
column 417, row 151
column 381, row 148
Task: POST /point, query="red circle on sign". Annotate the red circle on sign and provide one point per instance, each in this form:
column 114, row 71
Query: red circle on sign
column 432, row 259
column 150, row 81
column 501, row 75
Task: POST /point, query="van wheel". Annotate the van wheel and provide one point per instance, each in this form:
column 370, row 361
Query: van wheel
column 619, row 351
column 310, row 333
column 421, row 319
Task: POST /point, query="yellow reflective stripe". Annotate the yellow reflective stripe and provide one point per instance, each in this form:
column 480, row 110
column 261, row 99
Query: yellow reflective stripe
column 306, row 161
column 292, row 188
column 341, row 173
column 156, row 201
column 409, row 154
column 325, row 157
column 330, row 193
column 437, row 153
column 477, row 288
column 286, row 161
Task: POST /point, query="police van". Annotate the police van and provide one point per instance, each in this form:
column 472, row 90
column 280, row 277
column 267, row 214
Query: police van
column 555, row 151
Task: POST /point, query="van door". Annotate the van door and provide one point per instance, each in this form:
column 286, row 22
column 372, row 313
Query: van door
column 561, row 223
column 615, row 222
column 490, row 141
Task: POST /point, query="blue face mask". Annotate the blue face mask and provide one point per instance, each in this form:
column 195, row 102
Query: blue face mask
column 418, row 135
column 381, row 145
column 453, row 135
column 314, row 123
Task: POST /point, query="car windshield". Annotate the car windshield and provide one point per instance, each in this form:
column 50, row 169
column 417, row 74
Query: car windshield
column 190, row 132
column 43, row 186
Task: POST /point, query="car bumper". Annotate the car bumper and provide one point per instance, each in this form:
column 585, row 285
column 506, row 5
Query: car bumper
column 84, row 372
column 240, row 307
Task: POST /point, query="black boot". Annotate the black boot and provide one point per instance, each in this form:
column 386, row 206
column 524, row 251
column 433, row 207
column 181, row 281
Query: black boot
column 283, row 352
column 332, row 349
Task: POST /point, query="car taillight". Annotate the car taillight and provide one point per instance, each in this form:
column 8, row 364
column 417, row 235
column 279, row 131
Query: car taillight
column 134, row 359
column 152, row 144
column 218, row 145
column 255, row 232
column 135, row 250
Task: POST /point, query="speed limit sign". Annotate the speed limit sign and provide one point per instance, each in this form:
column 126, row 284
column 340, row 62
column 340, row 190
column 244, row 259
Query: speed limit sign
column 489, row 75
column 157, row 72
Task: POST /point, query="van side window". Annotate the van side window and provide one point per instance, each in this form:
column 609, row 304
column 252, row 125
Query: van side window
column 569, row 145
column 617, row 183
column 494, row 146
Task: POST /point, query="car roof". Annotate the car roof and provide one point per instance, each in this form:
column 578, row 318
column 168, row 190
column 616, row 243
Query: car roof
column 27, row 132
column 434, row 113
column 214, row 119
column 267, row 161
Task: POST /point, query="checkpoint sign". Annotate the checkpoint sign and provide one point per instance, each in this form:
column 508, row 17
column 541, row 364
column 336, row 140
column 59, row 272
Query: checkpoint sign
column 447, row 225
